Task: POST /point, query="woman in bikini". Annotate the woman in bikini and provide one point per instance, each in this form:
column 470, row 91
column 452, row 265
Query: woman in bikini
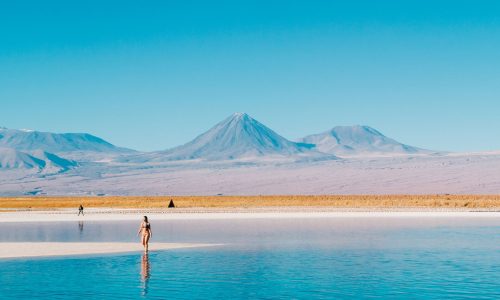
column 145, row 232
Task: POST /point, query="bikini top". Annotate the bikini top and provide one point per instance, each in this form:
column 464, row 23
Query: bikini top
column 146, row 226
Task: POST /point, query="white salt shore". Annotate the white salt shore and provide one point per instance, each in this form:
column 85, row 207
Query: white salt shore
column 24, row 250
column 254, row 213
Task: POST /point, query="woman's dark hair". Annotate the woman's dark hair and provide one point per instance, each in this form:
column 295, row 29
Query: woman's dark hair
column 145, row 219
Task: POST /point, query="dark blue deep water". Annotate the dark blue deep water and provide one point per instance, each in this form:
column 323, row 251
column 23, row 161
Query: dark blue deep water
column 387, row 258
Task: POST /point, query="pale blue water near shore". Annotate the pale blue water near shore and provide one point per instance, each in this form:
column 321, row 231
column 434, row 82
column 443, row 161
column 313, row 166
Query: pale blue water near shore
column 387, row 258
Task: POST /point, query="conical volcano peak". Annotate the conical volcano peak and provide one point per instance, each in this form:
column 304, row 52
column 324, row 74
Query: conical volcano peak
column 240, row 115
column 238, row 136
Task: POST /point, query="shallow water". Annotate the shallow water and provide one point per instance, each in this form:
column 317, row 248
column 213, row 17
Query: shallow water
column 426, row 258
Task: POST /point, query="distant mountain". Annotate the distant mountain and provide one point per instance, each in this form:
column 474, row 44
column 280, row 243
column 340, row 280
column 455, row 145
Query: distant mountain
column 237, row 137
column 358, row 140
column 39, row 160
column 29, row 140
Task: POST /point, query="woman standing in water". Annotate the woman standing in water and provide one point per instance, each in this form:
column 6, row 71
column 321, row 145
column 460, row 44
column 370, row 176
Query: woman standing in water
column 145, row 232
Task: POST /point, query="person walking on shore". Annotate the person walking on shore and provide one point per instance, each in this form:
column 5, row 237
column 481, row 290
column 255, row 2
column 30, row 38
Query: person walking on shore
column 146, row 233
column 80, row 210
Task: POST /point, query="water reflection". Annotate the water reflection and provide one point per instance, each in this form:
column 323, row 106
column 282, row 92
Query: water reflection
column 266, row 258
column 145, row 274
column 80, row 227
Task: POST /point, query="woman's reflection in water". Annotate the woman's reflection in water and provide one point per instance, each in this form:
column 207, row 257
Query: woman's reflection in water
column 145, row 273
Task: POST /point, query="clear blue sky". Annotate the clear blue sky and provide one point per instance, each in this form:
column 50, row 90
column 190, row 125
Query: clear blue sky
column 150, row 75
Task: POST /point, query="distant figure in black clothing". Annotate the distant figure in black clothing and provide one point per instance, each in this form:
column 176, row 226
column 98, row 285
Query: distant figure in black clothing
column 171, row 204
column 80, row 210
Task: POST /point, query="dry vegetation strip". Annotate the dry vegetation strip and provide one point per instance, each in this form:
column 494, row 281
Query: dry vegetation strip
column 351, row 201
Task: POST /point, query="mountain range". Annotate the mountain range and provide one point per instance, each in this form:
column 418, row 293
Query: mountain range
column 239, row 156
column 238, row 137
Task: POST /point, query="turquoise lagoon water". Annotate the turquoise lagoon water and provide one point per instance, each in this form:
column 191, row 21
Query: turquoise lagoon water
column 347, row 258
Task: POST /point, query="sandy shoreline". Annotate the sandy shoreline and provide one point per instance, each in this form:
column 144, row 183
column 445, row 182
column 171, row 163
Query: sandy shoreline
column 65, row 215
column 42, row 249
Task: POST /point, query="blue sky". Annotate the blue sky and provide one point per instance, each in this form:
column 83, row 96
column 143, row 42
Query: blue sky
column 151, row 75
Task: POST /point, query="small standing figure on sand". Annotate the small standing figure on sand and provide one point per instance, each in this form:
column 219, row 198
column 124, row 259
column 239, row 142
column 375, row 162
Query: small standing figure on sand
column 146, row 233
column 80, row 210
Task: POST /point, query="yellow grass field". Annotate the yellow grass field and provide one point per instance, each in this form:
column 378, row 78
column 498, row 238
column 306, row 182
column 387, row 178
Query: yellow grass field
column 334, row 201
